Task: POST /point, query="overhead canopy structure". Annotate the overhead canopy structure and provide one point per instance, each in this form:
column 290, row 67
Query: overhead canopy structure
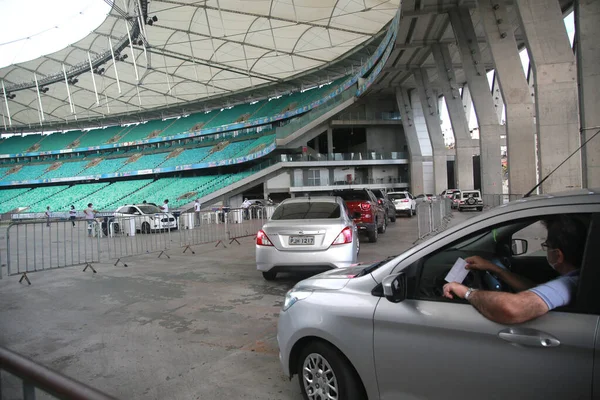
column 155, row 55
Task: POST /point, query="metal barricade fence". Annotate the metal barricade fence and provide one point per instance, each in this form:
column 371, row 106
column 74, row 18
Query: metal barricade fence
column 42, row 245
column 423, row 219
column 127, row 236
column 242, row 223
column 432, row 216
column 202, row 227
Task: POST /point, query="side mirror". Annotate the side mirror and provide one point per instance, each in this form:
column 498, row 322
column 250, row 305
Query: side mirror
column 518, row 247
column 395, row 287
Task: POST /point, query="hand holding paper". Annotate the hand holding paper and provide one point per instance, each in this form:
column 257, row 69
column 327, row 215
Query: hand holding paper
column 458, row 273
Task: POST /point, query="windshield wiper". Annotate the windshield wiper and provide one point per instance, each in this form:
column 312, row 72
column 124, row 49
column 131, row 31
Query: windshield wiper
column 373, row 267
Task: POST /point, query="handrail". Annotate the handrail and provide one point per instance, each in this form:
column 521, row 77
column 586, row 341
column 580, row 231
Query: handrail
column 34, row 375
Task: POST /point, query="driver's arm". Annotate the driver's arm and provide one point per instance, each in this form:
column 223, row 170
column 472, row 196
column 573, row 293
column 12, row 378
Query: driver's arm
column 501, row 307
column 517, row 282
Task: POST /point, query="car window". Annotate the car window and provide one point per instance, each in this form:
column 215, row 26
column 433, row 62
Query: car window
column 351, row 195
column 470, row 194
column 394, row 196
column 308, row 210
column 495, row 245
column 378, row 193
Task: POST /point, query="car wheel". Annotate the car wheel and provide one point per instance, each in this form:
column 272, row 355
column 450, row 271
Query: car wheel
column 460, row 209
column 269, row 275
column 383, row 226
column 393, row 217
column 479, row 208
column 325, row 373
column 145, row 227
column 373, row 235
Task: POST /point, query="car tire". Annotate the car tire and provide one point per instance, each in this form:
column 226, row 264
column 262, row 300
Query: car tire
column 393, row 217
column 479, row 208
column 373, row 235
column 321, row 358
column 269, row 275
column 145, row 227
column 460, row 209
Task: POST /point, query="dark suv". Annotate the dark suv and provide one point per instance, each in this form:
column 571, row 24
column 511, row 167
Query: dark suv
column 372, row 219
column 388, row 205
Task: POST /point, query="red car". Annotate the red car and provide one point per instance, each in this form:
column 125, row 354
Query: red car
column 373, row 217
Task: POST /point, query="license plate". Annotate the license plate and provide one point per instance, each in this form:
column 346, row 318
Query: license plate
column 307, row 240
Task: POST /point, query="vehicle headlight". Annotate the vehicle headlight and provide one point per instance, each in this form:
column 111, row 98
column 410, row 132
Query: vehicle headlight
column 291, row 297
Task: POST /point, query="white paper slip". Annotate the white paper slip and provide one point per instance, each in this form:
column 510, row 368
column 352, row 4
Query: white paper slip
column 458, row 273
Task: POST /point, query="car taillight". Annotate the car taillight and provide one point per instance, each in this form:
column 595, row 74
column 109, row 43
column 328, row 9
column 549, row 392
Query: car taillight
column 380, row 201
column 404, row 201
column 262, row 239
column 365, row 206
column 344, row 237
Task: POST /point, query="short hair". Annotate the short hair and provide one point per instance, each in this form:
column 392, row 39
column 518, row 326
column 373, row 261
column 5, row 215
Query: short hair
column 166, row 201
column 89, row 204
column 568, row 234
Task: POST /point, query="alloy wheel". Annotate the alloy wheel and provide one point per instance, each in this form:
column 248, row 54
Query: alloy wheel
column 320, row 382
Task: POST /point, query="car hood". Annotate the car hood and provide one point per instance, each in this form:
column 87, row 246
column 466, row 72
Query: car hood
column 334, row 279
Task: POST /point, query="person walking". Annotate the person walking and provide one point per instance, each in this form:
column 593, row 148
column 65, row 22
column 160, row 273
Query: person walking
column 47, row 214
column 197, row 211
column 72, row 215
column 89, row 217
column 246, row 205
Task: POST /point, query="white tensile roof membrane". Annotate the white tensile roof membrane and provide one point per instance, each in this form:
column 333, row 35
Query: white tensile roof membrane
column 195, row 50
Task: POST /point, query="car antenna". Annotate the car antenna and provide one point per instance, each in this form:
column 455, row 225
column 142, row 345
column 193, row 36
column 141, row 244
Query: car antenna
column 565, row 160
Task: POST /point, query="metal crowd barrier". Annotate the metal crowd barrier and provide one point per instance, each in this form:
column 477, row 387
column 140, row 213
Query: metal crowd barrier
column 37, row 246
column 432, row 216
column 34, row 376
column 42, row 245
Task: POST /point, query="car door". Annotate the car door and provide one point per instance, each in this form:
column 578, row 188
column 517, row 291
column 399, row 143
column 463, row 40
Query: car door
column 426, row 347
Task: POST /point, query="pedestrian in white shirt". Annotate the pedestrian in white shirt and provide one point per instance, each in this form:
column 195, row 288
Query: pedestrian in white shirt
column 197, row 211
column 47, row 214
column 89, row 217
column 165, row 207
column 72, row 215
column 246, row 205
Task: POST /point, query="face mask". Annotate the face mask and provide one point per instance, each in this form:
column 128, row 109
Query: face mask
column 552, row 257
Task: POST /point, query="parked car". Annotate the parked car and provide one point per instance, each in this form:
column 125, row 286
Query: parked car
column 148, row 218
column 386, row 202
column 455, row 200
column 373, row 218
column 307, row 235
column 404, row 203
column 448, row 193
column 384, row 331
column 470, row 200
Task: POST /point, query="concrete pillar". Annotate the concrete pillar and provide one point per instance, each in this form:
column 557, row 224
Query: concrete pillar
column 489, row 127
column 467, row 103
column 414, row 148
column 587, row 29
column 516, row 91
column 497, row 97
column 329, row 141
column 464, row 145
column 428, row 98
column 556, row 97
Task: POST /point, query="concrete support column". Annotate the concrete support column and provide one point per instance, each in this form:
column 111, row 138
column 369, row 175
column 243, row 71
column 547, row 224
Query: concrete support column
column 414, row 148
column 556, row 97
column 587, row 23
column 467, row 103
column 497, row 97
column 464, row 145
column 432, row 118
column 520, row 107
column 329, row 141
column 489, row 127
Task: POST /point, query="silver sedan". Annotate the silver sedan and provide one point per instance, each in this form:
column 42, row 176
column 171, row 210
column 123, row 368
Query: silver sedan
column 384, row 331
column 307, row 235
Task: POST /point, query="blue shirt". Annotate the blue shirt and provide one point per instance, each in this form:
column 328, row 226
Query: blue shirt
column 558, row 292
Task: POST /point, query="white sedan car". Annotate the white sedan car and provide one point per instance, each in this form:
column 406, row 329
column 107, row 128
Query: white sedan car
column 148, row 218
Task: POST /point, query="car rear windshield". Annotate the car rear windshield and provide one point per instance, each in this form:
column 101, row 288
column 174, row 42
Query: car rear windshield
column 308, row 210
column 470, row 194
column 353, row 195
column 378, row 193
column 395, row 196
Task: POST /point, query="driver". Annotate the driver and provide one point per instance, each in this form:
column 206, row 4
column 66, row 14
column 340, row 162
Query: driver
column 564, row 247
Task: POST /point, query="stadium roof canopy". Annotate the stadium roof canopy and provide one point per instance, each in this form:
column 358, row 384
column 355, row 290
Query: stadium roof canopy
column 185, row 52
